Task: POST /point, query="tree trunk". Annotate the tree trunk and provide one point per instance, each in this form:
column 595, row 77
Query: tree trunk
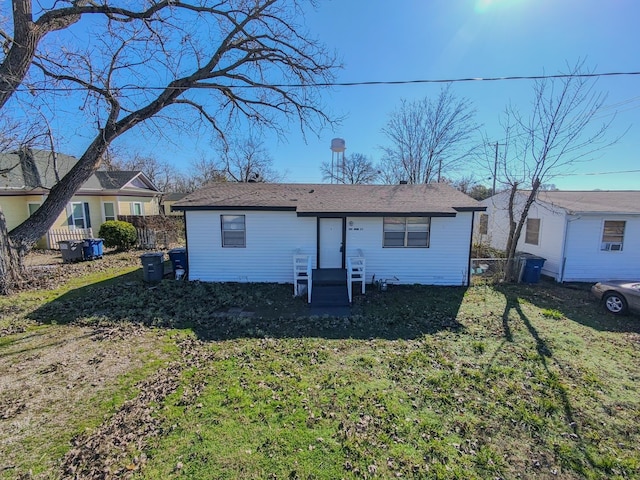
column 37, row 225
column 18, row 60
column 11, row 267
column 515, row 229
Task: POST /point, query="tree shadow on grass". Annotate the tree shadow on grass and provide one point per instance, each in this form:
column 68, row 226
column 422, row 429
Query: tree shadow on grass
column 545, row 356
column 222, row 311
column 576, row 303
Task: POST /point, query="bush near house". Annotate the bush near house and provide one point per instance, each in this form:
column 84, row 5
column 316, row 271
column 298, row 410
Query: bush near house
column 118, row 234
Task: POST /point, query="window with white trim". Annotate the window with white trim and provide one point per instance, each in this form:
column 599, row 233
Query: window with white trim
column 79, row 215
column 109, row 211
column 136, row 208
column 612, row 235
column 532, row 233
column 233, row 231
column 406, row 232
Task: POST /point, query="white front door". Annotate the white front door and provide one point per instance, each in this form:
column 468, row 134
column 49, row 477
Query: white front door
column 330, row 243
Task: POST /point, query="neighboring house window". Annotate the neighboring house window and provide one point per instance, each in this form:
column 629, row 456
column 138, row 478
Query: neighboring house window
column 33, row 207
column 483, row 228
column 532, row 235
column 136, row 208
column 612, row 235
column 233, row 230
column 109, row 211
column 78, row 215
column 406, row 231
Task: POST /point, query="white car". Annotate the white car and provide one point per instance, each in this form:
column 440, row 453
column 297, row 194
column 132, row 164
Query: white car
column 618, row 296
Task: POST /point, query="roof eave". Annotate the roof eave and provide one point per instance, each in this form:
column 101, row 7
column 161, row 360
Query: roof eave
column 376, row 214
column 185, row 208
column 479, row 208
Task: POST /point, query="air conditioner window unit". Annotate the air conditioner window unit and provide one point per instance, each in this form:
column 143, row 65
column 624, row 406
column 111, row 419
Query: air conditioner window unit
column 612, row 246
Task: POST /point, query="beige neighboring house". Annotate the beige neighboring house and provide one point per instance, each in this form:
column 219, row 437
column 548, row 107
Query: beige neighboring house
column 26, row 177
column 168, row 199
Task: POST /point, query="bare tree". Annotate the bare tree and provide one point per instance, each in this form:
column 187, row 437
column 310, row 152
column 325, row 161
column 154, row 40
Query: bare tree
column 247, row 160
column 226, row 60
column 204, row 171
column 243, row 160
column 22, row 39
column 356, row 169
column 561, row 130
column 162, row 174
column 428, row 138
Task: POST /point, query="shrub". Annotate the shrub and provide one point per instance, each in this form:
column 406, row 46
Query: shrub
column 116, row 233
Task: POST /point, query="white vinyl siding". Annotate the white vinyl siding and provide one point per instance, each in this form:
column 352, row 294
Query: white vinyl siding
column 586, row 262
column 445, row 262
column 550, row 234
column 272, row 238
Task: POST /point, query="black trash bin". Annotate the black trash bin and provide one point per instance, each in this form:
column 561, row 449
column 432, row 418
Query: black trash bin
column 178, row 257
column 71, row 250
column 532, row 268
column 152, row 266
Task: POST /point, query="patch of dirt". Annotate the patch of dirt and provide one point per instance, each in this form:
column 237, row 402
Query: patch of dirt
column 49, row 377
column 46, row 270
column 116, row 448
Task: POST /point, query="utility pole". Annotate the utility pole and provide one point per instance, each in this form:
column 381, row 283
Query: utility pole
column 495, row 167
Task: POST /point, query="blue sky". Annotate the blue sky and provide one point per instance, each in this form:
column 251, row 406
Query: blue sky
column 442, row 39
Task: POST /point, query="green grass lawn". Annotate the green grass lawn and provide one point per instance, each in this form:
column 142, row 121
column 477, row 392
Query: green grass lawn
column 420, row 382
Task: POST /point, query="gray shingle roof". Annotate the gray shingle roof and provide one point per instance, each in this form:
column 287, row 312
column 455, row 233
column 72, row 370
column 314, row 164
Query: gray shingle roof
column 328, row 199
column 38, row 171
column 115, row 180
column 33, row 171
column 598, row 201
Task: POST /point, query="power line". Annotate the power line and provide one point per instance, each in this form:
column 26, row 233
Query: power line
column 596, row 173
column 350, row 84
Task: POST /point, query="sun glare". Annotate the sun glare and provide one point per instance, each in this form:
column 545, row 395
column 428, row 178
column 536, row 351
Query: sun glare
column 485, row 5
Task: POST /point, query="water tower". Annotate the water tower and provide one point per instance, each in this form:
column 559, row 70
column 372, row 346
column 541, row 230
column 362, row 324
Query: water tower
column 338, row 147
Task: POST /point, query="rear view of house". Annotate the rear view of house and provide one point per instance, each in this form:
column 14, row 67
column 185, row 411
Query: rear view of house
column 250, row 232
column 584, row 235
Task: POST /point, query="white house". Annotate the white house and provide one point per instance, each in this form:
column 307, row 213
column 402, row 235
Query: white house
column 250, row 232
column 585, row 236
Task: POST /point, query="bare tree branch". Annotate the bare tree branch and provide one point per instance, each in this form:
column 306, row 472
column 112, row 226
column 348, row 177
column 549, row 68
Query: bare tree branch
column 428, row 139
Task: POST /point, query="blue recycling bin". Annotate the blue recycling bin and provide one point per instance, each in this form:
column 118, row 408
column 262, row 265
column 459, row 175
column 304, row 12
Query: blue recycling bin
column 92, row 248
column 532, row 268
column 178, row 257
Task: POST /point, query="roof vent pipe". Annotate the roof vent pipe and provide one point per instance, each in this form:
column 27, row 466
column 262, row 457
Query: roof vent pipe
column 403, row 182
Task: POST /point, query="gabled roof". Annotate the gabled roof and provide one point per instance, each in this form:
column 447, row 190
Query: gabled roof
column 38, row 170
column 596, row 201
column 434, row 199
column 116, row 180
